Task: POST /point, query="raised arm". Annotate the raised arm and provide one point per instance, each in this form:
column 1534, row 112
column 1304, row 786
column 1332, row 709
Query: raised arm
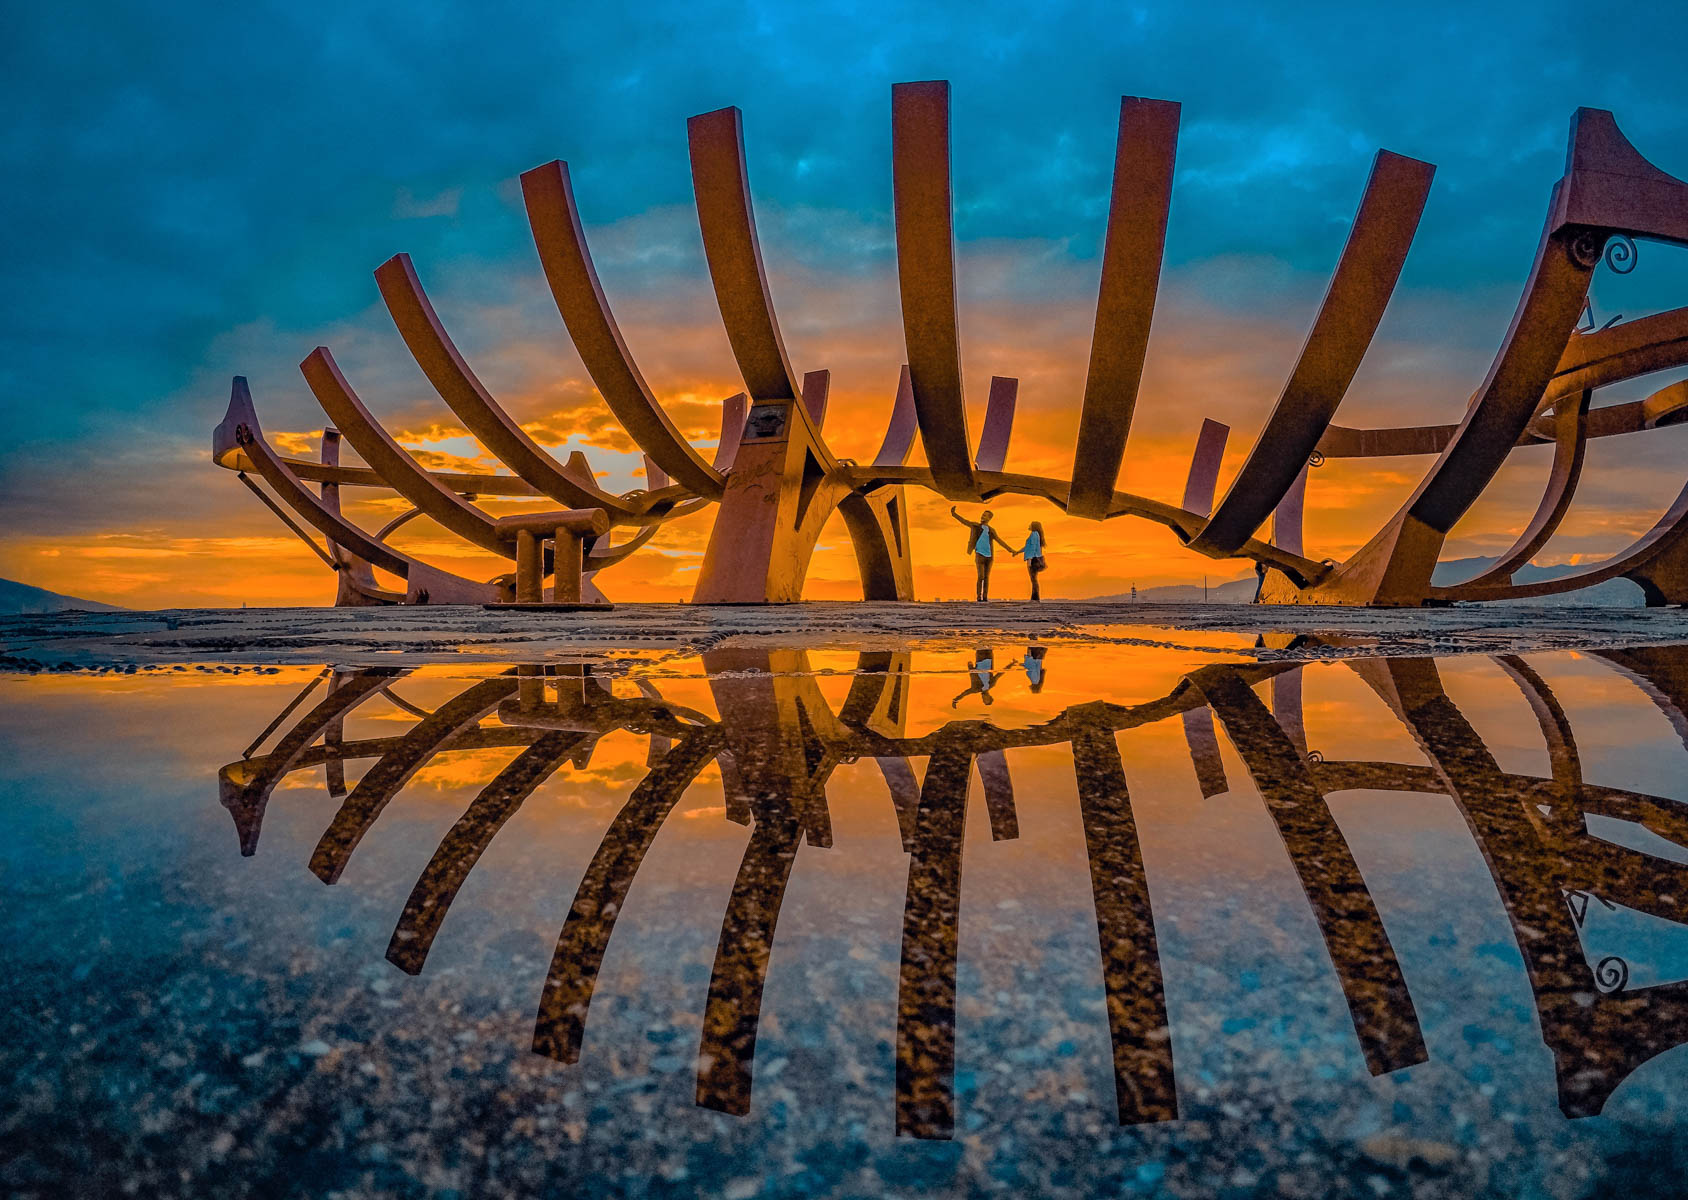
column 962, row 519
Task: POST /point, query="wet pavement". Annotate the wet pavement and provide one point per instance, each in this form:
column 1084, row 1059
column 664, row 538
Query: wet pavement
column 1021, row 917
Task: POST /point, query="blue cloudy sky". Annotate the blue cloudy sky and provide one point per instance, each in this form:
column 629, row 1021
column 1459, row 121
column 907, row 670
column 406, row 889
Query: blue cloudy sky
column 197, row 190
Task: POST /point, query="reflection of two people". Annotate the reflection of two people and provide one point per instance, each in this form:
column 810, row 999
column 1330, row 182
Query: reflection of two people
column 1033, row 664
column 983, row 674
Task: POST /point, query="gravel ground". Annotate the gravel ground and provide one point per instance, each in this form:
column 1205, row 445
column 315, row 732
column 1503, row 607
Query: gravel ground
column 453, row 634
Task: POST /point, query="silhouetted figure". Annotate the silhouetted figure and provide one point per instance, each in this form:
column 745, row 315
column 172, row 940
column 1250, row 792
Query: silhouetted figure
column 980, row 537
column 1259, row 580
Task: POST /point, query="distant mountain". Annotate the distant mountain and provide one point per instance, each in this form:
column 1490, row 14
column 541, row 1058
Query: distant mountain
column 19, row 598
column 1614, row 593
column 1232, row 591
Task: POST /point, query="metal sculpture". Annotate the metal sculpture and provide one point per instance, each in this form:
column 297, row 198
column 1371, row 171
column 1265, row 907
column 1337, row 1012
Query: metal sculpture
column 777, row 481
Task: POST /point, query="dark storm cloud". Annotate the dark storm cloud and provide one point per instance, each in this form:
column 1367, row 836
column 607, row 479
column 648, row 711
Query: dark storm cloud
column 188, row 188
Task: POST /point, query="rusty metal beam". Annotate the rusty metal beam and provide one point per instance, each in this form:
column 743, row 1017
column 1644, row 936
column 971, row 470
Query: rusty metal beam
column 1348, row 318
column 423, row 332
column 1144, row 154
column 920, row 171
column 728, row 222
column 561, row 242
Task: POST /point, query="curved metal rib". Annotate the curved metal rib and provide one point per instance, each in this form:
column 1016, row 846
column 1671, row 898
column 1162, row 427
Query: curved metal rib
column 1571, row 427
column 920, row 168
column 1144, row 1086
column 279, row 475
column 1359, row 291
column 585, row 937
column 733, row 410
column 1125, row 304
column 999, row 424
column 244, row 787
column 900, row 430
column 733, row 1010
column 561, row 242
column 1288, row 518
column 384, row 780
column 728, row 222
column 1378, row 1000
column 459, row 851
column 393, row 461
column 465, row 395
column 1581, row 215
column 1656, row 342
column 608, row 556
column 1204, row 467
column 1666, row 534
column 1395, row 566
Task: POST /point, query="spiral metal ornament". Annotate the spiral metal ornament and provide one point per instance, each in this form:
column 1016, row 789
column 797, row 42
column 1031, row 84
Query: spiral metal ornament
column 1315, row 757
column 1621, row 254
column 1316, row 459
column 1585, row 249
column 1611, row 975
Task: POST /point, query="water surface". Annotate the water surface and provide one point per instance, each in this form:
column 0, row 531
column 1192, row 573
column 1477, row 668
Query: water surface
column 1015, row 919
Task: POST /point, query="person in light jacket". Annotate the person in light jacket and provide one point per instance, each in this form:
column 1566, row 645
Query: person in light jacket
column 1032, row 552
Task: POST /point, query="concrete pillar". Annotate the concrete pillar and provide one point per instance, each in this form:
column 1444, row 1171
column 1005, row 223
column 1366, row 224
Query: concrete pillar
column 567, row 565
column 530, row 569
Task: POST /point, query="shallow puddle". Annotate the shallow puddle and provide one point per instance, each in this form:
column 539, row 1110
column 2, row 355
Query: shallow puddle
column 1024, row 919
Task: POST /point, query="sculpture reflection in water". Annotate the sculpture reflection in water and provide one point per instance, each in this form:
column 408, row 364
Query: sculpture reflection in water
column 784, row 741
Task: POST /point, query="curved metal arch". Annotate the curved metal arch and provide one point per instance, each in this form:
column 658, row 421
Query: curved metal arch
column 920, row 172
column 1582, row 215
column 1385, row 1019
column 1209, row 452
column 1395, row 566
column 560, row 1024
column 244, row 788
column 240, row 429
column 1569, row 449
column 901, row 427
column 561, row 242
column 733, row 410
column 607, row 556
column 458, row 852
column 1668, row 533
column 1563, row 758
column 1657, row 342
column 999, row 424
column 394, row 769
column 1132, row 250
column 434, row 351
column 1359, row 291
column 394, row 463
column 727, row 219
column 1181, row 521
